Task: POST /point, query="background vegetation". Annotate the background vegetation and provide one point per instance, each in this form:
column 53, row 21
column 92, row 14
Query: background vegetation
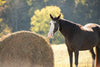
column 33, row 15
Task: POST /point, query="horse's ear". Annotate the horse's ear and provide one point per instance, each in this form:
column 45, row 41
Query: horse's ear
column 51, row 16
column 59, row 16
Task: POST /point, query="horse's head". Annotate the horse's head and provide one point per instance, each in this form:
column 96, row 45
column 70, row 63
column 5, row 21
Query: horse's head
column 54, row 25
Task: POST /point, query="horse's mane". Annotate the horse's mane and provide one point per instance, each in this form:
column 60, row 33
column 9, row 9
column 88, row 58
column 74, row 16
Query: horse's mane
column 70, row 22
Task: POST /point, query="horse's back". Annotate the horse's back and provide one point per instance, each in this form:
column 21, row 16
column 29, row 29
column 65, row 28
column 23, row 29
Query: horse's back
column 90, row 26
column 93, row 26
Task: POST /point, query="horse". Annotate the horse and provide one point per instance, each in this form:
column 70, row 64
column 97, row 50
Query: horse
column 78, row 38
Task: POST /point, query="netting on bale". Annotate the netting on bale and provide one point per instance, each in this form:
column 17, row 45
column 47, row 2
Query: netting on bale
column 25, row 49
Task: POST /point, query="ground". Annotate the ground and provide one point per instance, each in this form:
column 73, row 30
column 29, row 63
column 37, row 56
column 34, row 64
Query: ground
column 61, row 57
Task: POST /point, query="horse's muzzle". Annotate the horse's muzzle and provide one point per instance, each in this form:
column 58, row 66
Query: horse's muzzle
column 50, row 35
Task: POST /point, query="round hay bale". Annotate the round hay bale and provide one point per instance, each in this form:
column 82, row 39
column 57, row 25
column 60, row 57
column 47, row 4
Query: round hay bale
column 25, row 49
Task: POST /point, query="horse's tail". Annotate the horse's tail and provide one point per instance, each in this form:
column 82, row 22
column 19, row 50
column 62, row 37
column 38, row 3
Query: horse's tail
column 97, row 57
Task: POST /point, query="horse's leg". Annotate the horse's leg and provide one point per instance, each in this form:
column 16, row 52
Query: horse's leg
column 76, row 57
column 93, row 57
column 71, row 57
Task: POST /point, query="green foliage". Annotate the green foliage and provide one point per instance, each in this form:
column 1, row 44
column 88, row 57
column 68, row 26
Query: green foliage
column 40, row 21
column 29, row 2
column 87, row 11
column 4, row 29
column 2, row 2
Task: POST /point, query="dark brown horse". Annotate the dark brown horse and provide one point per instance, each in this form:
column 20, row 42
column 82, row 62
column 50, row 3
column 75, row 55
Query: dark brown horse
column 78, row 37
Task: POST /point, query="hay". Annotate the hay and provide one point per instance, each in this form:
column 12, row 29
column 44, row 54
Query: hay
column 25, row 49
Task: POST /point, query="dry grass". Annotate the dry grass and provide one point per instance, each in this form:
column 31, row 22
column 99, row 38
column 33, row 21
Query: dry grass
column 62, row 59
column 25, row 49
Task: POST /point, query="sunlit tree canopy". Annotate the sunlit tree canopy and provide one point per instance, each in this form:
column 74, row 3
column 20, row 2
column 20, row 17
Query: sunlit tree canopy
column 4, row 29
column 2, row 2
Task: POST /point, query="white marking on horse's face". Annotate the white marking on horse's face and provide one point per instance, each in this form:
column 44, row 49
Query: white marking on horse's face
column 50, row 34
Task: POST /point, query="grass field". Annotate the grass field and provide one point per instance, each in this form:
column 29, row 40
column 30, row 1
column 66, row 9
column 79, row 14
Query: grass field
column 61, row 57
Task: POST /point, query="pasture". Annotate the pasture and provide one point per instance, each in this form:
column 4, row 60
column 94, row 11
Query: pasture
column 61, row 58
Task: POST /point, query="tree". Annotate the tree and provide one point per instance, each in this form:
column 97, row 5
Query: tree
column 4, row 29
column 88, row 11
column 17, row 15
column 2, row 2
column 40, row 22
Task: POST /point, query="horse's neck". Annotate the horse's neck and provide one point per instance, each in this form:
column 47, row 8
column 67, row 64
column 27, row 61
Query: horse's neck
column 68, row 29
